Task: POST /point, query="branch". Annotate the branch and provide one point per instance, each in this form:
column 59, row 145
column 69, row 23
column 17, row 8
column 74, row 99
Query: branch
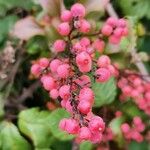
column 137, row 61
column 28, row 92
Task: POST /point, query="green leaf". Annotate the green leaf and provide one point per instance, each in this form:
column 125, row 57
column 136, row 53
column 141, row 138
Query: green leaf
column 115, row 125
column 35, row 125
column 6, row 25
column 36, row 45
column 133, row 7
column 55, row 118
column 86, row 145
column 105, row 93
column 9, row 4
column 138, row 146
column 11, row 139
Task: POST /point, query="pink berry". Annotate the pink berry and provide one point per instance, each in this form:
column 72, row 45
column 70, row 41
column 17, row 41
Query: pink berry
column 43, row 62
column 112, row 70
column 48, row 83
column 121, row 23
column 103, row 75
column 59, row 45
column 84, row 133
column 86, row 94
column 72, row 126
column 84, row 26
column 36, row 69
column 107, row 30
column 118, row 32
column 62, row 124
column 83, row 81
column 64, row 28
column 125, row 31
column 96, row 124
column 54, row 93
column 112, row 21
column 63, row 70
column 84, row 107
column 125, row 128
column 99, row 45
column 114, row 39
column 103, row 61
column 68, row 106
column 96, row 137
column 55, row 64
column 85, row 41
column 78, row 10
column 66, row 16
column 64, row 92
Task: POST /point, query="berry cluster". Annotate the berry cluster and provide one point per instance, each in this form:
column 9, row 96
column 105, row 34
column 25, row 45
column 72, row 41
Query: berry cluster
column 132, row 85
column 66, row 78
column 115, row 29
column 134, row 132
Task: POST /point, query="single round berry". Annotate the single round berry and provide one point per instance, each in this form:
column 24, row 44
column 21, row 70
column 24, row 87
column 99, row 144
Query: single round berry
column 66, row 16
column 59, row 45
column 64, row 28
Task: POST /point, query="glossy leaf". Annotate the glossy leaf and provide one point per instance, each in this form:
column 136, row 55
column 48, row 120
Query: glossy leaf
column 35, row 125
column 11, row 139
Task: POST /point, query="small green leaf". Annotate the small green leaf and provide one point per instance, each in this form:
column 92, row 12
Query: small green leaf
column 11, row 139
column 55, row 118
column 35, row 125
column 105, row 93
column 86, row 145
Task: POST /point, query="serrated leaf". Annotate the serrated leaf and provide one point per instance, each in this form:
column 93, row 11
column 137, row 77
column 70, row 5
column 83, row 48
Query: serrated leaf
column 105, row 93
column 55, row 118
column 11, row 139
column 35, row 125
column 86, row 145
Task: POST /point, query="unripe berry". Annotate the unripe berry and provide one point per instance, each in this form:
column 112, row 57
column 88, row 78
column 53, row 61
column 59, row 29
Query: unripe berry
column 84, row 26
column 36, row 69
column 64, row 28
column 64, row 92
column 66, row 16
column 99, row 45
column 103, row 75
column 78, row 10
column 107, row 30
column 63, row 70
column 84, row 133
column 55, row 64
column 59, row 45
column 54, row 93
column 103, row 61
column 84, row 106
column 43, row 62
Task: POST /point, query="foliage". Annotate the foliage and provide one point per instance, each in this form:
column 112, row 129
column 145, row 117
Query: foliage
column 28, row 117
